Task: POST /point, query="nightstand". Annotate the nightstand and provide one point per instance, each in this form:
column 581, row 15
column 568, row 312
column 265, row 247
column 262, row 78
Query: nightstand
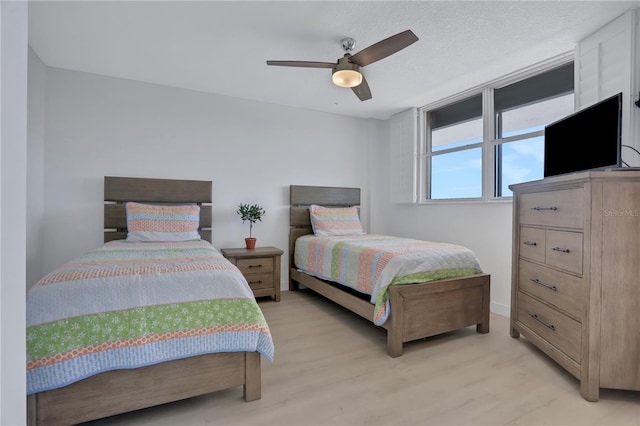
column 261, row 268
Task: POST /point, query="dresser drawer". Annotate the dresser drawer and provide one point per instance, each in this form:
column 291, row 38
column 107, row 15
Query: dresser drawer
column 564, row 291
column 563, row 208
column 532, row 243
column 255, row 265
column 257, row 281
column 556, row 328
column 564, row 250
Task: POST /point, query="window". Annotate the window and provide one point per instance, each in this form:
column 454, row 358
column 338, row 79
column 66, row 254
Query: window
column 507, row 121
column 521, row 111
column 455, row 143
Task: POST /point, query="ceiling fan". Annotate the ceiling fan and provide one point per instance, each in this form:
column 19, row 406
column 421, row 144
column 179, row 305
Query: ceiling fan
column 346, row 71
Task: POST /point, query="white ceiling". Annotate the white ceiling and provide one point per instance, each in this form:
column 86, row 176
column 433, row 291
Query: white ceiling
column 221, row 46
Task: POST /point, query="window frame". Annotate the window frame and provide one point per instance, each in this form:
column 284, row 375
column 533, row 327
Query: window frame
column 426, row 153
column 489, row 142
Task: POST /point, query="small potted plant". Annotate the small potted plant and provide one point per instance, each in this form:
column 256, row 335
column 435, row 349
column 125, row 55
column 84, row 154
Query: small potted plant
column 251, row 213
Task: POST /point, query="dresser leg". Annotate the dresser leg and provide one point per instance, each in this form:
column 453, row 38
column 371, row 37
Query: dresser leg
column 590, row 393
column 514, row 333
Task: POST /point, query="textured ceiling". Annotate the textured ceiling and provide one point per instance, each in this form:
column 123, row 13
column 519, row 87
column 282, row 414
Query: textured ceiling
column 221, row 47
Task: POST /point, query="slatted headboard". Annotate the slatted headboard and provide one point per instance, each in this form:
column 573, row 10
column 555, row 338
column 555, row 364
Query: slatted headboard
column 119, row 190
column 301, row 197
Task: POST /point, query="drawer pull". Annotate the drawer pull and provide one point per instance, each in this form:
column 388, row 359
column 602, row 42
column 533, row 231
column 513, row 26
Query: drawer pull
column 255, row 282
column 256, row 266
column 530, row 243
column 561, row 250
column 549, row 326
column 538, row 208
column 550, row 287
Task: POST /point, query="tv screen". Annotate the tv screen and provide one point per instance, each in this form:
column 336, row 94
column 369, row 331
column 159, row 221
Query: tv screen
column 589, row 139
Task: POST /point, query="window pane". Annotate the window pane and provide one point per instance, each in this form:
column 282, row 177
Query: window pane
column 456, row 135
column 547, row 85
column 517, row 162
column 532, row 117
column 457, row 174
column 457, row 112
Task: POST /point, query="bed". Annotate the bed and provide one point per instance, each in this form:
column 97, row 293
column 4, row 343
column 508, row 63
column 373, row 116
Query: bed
column 416, row 310
column 201, row 353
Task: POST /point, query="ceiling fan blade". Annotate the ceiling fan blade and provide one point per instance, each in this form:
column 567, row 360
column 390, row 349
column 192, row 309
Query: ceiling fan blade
column 362, row 91
column 305, row 64
column 384, row 48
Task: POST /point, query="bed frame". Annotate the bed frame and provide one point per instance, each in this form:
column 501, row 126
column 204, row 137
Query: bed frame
column 120, row 391
column 417, row 310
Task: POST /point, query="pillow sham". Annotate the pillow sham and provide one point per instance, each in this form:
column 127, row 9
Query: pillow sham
column 161, row 223
column 327, row 221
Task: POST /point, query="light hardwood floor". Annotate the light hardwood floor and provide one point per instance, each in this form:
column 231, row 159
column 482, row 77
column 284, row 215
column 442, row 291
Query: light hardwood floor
column 331, row 368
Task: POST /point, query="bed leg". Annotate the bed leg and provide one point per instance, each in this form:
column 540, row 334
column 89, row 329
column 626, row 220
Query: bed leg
column 396, row 321
column 293, row 284
column 483, row 327
column 32, row 414
column 253, row 380
column 394, row 344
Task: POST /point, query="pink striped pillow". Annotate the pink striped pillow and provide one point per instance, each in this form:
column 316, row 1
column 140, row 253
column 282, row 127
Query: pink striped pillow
column 154, row 223
column 327, row 221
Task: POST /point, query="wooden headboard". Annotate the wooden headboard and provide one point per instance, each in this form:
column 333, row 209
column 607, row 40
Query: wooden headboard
column 119, row 190
column 301, row 197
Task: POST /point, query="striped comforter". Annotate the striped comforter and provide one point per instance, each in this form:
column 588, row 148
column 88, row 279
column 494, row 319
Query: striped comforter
column 371, row 263
column 127, row 305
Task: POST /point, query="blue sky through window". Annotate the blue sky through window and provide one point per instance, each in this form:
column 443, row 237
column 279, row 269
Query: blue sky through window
column 457, row 174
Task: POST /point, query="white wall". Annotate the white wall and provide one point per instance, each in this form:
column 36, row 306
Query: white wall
column 98, row 126
column 605, row 65
column 485, row 228
column 13, row 153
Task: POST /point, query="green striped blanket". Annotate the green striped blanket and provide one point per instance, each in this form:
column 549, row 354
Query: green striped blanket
column 127, row 305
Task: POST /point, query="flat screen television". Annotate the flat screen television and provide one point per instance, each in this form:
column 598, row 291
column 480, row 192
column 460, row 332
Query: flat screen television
column 589, row 139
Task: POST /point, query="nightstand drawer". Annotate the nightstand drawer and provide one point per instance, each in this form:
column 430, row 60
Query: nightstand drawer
column 255, row 265
column 260, row 267
column 257, row 281
column 562, row 208
column 556, row 328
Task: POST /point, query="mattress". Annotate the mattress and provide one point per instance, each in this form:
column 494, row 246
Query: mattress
column 128, row 305
column 371, row 263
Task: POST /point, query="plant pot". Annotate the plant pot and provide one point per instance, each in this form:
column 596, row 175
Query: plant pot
column 250, row 243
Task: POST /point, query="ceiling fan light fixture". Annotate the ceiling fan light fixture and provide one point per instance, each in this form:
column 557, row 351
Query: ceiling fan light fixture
column 346, row 78
column 346, row 71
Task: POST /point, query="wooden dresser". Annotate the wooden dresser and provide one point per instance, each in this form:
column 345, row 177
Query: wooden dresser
column 576, row 275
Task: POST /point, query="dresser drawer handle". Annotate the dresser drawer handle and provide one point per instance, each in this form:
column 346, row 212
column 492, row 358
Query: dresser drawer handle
column 530, row 243
column 538, row 208
column 561, row 250
column 550, row 287
column 256, row 266
column 255, row 282
column 549, row 326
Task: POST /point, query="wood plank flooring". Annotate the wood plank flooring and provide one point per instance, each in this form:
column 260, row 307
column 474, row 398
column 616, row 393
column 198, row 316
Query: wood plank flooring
column 331, row 368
